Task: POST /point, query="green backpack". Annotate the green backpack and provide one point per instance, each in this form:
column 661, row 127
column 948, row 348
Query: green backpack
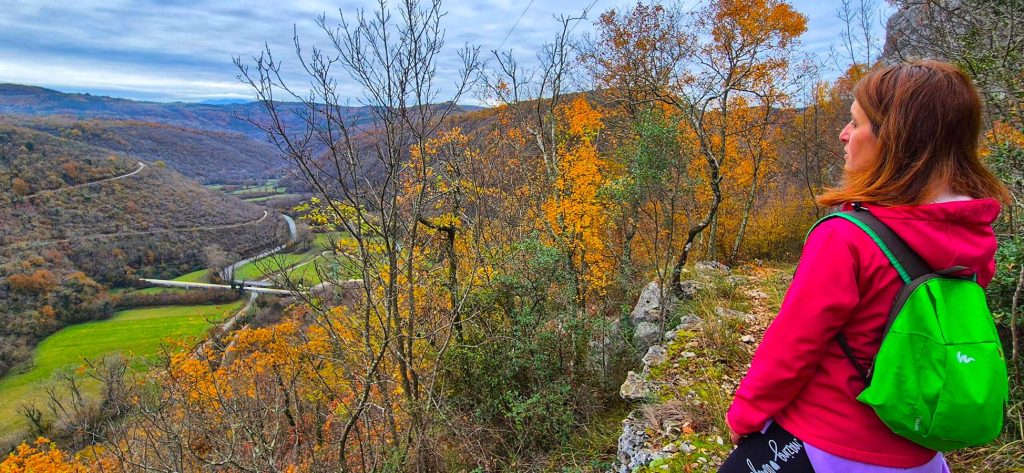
column 939, row 378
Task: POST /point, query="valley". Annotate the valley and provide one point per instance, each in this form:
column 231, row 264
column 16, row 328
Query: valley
column 574, row 277
column 140, row 336
column 94, row 204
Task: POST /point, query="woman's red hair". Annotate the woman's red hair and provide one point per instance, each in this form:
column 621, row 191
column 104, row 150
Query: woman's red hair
column 927, row 118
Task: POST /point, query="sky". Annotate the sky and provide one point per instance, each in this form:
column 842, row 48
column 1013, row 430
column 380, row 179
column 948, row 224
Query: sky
column 182, row 50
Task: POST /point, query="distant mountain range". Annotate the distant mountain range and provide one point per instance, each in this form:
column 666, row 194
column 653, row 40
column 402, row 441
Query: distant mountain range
column 28, row 100
column 220, row 116
column 209, row 142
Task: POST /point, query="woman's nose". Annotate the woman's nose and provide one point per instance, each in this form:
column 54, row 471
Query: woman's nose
column 844, row 135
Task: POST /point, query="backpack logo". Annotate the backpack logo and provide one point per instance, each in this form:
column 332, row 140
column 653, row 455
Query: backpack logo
column 962, row 358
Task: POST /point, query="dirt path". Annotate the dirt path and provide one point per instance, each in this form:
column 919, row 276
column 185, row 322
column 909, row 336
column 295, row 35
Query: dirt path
column 93, row 183
column 121, row 234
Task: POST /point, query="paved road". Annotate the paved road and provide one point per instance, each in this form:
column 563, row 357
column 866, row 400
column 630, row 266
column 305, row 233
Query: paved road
column 251, row 287
column 291, row 227
column 228, row 273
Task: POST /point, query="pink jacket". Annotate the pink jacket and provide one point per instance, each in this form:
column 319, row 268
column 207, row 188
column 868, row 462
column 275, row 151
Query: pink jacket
column 799, row 375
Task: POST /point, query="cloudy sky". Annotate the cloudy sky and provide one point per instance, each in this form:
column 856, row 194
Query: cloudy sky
column 182, row 50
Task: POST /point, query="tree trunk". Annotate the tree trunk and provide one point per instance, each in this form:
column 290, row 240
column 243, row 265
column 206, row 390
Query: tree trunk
column 716, row 190
column 746, row 214
column 1014, row 348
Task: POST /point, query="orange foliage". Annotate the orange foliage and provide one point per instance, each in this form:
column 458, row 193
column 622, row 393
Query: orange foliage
column 574, row 211
column 20, row 186
column 1001, row 134
column 756, row 22
column 40, row 457
column 40, row 281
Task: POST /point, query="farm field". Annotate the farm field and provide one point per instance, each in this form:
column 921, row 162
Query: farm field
column 134, row 333
column 309, row 274
column 269, row 197
column 260, row 268
column 269, row 186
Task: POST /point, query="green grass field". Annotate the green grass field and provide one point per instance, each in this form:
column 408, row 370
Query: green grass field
column 309, row 274
column 256, row 189
column 268, row 197
column 133, row 333
column 260, row 268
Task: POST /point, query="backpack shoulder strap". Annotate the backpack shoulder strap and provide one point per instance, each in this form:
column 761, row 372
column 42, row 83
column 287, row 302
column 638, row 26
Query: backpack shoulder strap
column 907, row 263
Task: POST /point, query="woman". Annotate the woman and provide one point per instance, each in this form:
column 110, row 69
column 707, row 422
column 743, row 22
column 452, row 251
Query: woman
column 911, row 158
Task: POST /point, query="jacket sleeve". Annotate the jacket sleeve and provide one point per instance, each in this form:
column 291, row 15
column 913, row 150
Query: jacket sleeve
column 820, row 300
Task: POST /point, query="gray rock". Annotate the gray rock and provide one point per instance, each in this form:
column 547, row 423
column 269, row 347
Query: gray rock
column 730, row 313
column 634, row 388
column 649, row 305
column 656, row 355
column 711, row 267
column 688, row 322
column 755, row 294
column 689, row 289
column 646, row 335
column 632, row 452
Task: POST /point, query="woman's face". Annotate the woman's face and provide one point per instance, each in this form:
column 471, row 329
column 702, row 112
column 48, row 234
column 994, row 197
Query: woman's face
column 861, row 145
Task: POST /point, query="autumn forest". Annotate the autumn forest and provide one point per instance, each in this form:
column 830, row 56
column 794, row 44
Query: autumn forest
column 483, row 282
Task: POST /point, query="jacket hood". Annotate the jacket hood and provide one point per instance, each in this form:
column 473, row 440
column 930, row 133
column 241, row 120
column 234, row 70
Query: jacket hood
column 947, row 234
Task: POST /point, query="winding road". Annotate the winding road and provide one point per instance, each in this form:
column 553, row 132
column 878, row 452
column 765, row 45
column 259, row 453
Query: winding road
column 228, row 273
column 61, row 189
column 148, row 232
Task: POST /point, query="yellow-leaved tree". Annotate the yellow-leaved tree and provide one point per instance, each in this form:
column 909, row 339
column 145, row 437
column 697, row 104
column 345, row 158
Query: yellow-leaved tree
column 574, row 211
column 40, row 457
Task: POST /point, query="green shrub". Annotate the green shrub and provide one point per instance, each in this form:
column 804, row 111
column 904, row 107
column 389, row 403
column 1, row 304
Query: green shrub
column 524, row 373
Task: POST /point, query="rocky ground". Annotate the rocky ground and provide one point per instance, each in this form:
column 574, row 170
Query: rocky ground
column 699, row 349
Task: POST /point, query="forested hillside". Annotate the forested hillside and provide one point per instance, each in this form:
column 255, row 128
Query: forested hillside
column 209, row 143
column 70, row 228
column 205, row 156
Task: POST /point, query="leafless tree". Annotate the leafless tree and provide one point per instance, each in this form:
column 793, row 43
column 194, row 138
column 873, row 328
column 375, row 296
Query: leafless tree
column 861, row 43
column 358, row 170
column 216, row 259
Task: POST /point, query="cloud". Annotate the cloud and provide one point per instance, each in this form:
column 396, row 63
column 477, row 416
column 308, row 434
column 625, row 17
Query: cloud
column 183, row 49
